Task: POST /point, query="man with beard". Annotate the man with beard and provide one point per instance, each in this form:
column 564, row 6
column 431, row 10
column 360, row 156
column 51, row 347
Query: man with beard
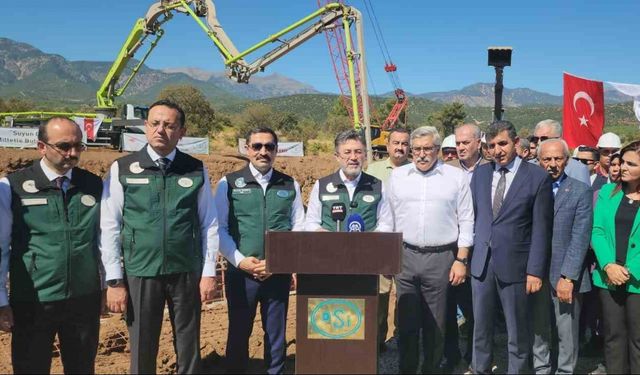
column 255, row 199
column 49, row 218
column 432, row 207
column 158, row 211
column 360, row 192
column 398, row 150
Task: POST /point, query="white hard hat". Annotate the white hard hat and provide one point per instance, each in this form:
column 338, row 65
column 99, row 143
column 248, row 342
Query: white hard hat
column 609, row 140
column 575, row 151
column 449, row 142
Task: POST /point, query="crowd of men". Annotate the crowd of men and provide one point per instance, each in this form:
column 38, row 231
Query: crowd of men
column 490, row 223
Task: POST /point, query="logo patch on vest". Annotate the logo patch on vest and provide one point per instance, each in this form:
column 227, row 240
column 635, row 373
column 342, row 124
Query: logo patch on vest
column 241, row 191
column 283, row 193
column 29, row 186
column 331, row 188
column 34, row 201
column 185, row 182
column 368, row 198
column 136, row 168
column 88, row 200
column 138, row 181
column 326, row 197
column 240, row 182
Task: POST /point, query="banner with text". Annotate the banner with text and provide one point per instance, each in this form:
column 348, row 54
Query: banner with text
column 18, row 137
column 189, row 145
column 284, row 148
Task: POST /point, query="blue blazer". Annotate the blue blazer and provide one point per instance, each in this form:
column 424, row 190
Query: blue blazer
column 572, row 221
column 519, row 239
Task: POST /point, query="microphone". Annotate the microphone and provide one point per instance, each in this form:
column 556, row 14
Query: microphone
column 338, row 212
column 355, row 223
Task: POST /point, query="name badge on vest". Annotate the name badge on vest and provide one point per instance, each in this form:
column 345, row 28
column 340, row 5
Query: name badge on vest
column 34, row 201
column 241, row 191
column 88, row 200
column 368, row 198
column 326, row 197
column 185, row 182
column 137, row 181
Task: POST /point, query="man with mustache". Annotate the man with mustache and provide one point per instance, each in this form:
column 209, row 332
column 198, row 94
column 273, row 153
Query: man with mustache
column 249, row 202
column 49, row 218
column 398, row 150
column 360, row 192
column 158, row 211
column 432, row 207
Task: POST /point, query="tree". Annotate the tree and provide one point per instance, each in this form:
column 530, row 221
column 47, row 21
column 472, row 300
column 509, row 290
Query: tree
column 448, row 117
column 15, row 105
column 201, row 119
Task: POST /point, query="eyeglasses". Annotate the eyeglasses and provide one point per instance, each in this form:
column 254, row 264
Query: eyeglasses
column 155, row 125
column 66, row 146
column 607, row 151
column 449, row 151
column 427, row 150
column 270, row 147
column 535, row 139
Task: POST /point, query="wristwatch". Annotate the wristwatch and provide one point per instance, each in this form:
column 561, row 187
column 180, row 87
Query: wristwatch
column 115, row 283
column 567, row 279
column 464, row 261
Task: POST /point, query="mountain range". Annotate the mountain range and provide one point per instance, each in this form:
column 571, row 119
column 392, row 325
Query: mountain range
column 50, row 79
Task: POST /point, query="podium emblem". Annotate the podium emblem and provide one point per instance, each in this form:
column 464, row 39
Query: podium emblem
column 335, row 319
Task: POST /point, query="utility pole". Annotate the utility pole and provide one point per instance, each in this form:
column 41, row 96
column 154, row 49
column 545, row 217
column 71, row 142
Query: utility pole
column 499, row 57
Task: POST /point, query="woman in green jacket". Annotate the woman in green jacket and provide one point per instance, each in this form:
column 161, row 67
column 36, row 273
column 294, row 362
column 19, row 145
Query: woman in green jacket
column 616, row 243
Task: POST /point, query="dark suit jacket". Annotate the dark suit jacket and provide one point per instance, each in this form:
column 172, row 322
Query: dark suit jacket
column 572, row 220
column 519, row 239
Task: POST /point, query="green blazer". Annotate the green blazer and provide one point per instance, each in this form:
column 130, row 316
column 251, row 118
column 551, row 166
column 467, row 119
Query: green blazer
column 603, row 240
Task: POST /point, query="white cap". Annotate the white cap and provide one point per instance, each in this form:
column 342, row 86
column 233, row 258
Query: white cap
column 449, row 142
column 609, row 140
column 575, row 151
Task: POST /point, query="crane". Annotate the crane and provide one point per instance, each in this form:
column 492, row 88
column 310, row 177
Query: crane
column 340, row 52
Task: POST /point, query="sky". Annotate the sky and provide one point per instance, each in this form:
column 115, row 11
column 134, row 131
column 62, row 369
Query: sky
column 436, row 45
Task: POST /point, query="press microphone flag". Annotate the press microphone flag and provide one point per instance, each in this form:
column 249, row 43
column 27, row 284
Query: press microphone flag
column 355, row 223
column 338, row 213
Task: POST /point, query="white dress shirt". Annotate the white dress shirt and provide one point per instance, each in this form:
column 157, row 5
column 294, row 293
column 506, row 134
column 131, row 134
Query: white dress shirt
column 111, row 221
column 6, row 222
column 228, row 246
column 313, row 219
column 512, row 169
column 433, row 208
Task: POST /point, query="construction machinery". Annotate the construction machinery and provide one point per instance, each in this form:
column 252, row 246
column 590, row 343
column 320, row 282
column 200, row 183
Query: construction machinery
column 339, row 52
column 329, row 17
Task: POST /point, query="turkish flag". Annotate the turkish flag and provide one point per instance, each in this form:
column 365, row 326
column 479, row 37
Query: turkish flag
column 583, row 111
column 88, row 128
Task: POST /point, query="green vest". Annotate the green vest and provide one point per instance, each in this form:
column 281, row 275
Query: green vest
column 252, row 211
column 54, row 237
column 161, row 227
column 365, row 201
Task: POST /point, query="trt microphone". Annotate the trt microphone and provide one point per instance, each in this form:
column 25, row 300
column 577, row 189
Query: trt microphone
column 338, row 212
column 355, row 223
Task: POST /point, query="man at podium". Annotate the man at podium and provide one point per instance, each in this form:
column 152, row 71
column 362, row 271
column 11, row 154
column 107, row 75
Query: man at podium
column 433, row 208
column 249, row 202
column 361, row 194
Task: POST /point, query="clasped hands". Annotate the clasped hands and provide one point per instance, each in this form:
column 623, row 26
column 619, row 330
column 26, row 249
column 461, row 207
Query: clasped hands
column 256, row 268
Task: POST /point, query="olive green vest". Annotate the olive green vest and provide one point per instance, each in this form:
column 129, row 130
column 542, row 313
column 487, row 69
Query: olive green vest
column 365, row 201
column 161, row 227
column 54, row 237
column 252, row 211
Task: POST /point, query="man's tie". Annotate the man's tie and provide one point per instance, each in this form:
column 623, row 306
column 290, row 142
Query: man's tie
column 499, row 195
column 163, row 164
column 60, row 182
column 555, row 186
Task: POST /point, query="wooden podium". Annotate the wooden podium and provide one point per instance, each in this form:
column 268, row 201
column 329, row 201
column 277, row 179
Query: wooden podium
column 337, row 294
